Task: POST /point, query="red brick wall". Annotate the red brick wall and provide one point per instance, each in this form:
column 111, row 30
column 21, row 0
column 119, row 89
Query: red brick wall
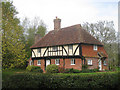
column 95, row 64
column 42, row 64
column 78, row 64
column 87, row 51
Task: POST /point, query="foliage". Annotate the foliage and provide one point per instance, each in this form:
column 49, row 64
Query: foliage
column 61, row 69
column 52, row 68
column 93, row 81
column 13, row 50
column 104, row 31
column 71, row 70
column 35, row 26
column 89, row 70
column 84, row 66
column 34, row 69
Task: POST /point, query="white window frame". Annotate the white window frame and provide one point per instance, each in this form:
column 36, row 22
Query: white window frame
column 72, row 61
column 56, row 62
column 89, row 62
column 38, row 62
column 95, row 48
column 104, row 63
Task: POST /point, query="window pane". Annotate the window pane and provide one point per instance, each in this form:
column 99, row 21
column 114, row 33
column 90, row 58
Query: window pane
column 70, row 46
column 39, row 62
column 57, row 61
column 73, row 61
column 39, row 50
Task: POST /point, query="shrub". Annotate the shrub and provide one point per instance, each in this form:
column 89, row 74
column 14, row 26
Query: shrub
column 71, row 70
column 84, row 66
column 34, row 69
column 89, row 70
column 61, row 69
column 52, row 68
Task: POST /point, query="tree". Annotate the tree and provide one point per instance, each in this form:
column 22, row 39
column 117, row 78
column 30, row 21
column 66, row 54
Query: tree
column 13, row 50
column 36, row 26
column 104, row 31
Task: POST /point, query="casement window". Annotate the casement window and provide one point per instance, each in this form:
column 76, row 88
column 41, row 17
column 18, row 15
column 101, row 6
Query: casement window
column 38, row 62
column 89, row 62
column 70, row 47
column 72, row 61
column 104, row 62
column 55, row 48
column 95, row 47
column 57, row 61
column 39, row 50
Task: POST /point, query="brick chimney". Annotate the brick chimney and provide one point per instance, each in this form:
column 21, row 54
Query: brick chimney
column 37, row 37
column 57, row 24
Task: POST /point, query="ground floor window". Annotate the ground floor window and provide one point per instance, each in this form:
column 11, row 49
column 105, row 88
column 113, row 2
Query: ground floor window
column 89, row 62
column 104, row 62
column 72, row 61
column 57, row 61
column 38, row 62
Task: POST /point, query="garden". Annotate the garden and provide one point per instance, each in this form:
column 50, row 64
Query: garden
column 33, row 77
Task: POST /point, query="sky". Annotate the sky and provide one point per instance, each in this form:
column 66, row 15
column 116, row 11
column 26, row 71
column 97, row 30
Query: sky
column 70, row 12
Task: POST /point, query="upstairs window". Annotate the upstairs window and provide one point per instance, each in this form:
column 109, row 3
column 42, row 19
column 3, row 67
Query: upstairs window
column 70, row 47
column 72, row 61
column 89, row 62
column 57, row 61
column 95, row 47
column 39, row 50
column 55, row 48
column 38, row 62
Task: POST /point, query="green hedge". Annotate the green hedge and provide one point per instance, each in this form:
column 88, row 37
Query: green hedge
column 93, row 81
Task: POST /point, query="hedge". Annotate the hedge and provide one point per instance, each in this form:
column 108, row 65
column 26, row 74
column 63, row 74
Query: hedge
column 93, row 81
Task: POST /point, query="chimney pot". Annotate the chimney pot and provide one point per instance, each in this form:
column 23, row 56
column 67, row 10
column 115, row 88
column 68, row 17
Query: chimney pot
column 57, row 23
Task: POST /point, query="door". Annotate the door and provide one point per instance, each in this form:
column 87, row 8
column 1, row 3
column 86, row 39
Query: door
column 47, row 62
column 100, row 65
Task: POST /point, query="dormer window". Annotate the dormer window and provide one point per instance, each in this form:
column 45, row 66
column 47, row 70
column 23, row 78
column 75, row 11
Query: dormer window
column 55, row 48
column 95, row 47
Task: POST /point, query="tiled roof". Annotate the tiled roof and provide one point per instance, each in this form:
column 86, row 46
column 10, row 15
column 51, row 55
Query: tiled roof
column 68, row 35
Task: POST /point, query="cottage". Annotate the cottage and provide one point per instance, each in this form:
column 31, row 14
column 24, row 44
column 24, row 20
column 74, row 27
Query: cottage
column 69, row 47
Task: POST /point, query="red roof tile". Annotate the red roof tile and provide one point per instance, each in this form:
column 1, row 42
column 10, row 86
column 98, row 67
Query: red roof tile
column 69, row 35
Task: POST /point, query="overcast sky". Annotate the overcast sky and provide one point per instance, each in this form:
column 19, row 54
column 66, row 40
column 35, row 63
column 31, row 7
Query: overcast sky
column 70, row 12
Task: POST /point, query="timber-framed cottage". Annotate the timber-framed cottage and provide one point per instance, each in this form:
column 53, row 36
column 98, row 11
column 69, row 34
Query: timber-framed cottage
column 69, row 47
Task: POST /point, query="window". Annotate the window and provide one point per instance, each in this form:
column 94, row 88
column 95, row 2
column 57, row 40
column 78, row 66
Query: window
column 89, row 62
column 39, row 50
column 72, row 61
column 104, row 63
column 38, row 62
column 54, row 48
column 30, row 62
column 57, row 61
column 70, row 47
column 95, row 47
